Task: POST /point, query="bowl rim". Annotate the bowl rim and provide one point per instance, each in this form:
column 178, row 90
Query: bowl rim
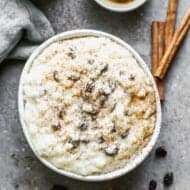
column 120, row 8
column 133, row 163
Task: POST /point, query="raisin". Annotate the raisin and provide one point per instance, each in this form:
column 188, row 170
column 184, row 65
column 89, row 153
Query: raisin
column 101, row 140
column 89, row 86
column 125, row 134
column 103, row 69
column 161, row 152
column 75, row 143
column 58, row 187
column 113, row 107
column 56, row 127
column 152, row 185
column 131, row 77
column 43, row 93
column 126, row 112
column 168, row 179
column 61, row 112
column 71, row 55
column 55, row 76
column 93, row 117
column 83, row 125
column 113, row 129
column 85, row 141
column 90, row 61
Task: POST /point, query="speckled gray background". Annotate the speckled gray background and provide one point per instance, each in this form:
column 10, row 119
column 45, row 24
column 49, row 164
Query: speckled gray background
column 19, row 169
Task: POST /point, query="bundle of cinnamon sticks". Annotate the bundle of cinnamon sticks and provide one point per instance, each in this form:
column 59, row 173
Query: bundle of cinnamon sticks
column 166, row 41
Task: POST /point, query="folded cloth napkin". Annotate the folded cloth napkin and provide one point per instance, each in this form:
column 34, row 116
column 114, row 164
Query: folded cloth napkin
column 22, row 28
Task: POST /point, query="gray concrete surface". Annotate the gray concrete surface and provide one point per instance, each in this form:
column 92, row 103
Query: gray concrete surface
column 19, row 169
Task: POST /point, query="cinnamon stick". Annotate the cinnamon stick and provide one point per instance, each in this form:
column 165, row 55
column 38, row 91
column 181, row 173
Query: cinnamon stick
column 161, row 49
column 158, row 30
column 161, row 40
column 170, row 21
column 154, row 46
column 174, row 46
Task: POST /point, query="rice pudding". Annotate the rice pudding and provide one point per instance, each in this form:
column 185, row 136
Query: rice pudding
column 89, row 106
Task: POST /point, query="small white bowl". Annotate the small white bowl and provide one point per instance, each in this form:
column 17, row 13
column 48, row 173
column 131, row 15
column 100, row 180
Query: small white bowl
column 120, row 7
column 140, row 156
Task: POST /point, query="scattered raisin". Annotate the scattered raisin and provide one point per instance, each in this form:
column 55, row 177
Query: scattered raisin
column 152, row 185
column 113, row 129
column 131, row 77
column 85, row 141
column 161, row 152
column 61, row 112
column 125, row 134
column 83, row 125
column 113, row 107
column 40, row 93
column 103, row 69
column 90, row 61
column 101, row 140
column 58, row 187
column 56, row 127
column 55, row 76
column 43, row 93
column 127, row 112
column 168, row 179
column 93, row 117
column 75, row 143
column 71, row 55
column 89, row 86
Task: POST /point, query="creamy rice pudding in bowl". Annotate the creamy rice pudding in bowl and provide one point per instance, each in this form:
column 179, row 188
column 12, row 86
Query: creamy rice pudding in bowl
column 88, row 105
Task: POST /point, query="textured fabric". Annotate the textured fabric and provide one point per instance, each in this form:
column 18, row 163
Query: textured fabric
column 22, row 28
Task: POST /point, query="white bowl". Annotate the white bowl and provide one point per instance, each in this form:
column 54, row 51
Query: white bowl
column 139, row 157
column 120, row 7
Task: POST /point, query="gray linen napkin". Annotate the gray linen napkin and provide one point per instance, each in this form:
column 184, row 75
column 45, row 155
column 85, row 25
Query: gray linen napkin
column 22, row 28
